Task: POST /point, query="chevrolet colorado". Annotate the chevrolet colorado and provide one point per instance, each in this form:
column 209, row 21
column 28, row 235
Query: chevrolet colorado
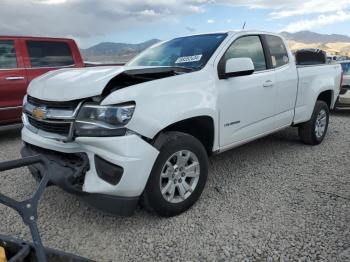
column 142, row 133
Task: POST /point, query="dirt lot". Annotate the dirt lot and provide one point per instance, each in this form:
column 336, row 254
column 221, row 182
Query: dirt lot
column 271, row 200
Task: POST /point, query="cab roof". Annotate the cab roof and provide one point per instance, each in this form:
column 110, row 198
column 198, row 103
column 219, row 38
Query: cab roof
column 234, row 32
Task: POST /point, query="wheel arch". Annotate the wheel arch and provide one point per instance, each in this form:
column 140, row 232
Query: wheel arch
column 327, row 97
column 201, row 127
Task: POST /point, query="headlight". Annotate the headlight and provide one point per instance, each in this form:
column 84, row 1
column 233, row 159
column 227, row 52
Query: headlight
column 96, row 120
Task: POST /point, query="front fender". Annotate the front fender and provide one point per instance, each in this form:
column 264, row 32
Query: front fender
column 163, row 102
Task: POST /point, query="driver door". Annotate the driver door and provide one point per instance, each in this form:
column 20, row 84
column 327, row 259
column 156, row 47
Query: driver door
column 13, row 81
column 246, row 103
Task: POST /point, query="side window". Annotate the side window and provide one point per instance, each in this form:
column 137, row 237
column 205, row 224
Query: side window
column 49, row 54
column 248, row 47
column 8, row 58
column 278, row 51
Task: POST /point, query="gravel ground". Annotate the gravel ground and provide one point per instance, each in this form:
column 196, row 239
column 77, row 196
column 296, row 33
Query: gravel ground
column 271, row 200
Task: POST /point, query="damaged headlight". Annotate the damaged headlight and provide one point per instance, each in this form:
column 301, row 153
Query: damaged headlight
column 96, row 120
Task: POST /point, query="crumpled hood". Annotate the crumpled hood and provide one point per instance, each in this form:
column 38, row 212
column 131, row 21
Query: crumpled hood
column 73, row 83
column 79, row 83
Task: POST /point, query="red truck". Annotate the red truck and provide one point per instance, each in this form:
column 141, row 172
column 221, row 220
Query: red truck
column 24, row 58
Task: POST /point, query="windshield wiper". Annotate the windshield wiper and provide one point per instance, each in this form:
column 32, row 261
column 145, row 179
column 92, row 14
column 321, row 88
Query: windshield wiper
column 183, row 69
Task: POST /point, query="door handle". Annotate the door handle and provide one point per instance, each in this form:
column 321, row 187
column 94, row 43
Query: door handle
column 13, row 78
column 268, row 83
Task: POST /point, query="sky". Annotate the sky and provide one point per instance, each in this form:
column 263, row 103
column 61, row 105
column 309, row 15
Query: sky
column 134, row 21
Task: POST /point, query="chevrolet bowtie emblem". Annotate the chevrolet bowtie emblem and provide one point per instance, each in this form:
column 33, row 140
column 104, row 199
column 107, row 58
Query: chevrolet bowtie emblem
column 39, row 112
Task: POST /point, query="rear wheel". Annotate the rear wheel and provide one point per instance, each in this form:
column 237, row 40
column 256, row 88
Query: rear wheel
column 178, row 176
column 314, row 131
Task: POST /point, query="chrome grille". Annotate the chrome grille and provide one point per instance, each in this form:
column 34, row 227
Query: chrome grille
column 51, row 127
column 69, row 105
column 56, row 119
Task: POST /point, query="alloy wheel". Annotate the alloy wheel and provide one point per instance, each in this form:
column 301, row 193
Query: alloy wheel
column 180, row 176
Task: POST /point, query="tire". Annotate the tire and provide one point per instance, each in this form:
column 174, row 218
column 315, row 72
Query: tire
column 308, row 132
column 168, row 174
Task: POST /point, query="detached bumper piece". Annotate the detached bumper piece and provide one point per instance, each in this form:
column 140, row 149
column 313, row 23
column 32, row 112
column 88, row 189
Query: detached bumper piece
column 18, row 250
column 68, row 172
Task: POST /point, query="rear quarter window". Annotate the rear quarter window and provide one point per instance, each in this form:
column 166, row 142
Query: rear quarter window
column 49, row 54
column 278, row 51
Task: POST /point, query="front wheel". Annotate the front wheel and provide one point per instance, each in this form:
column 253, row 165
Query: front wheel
column 314, row 131
column 178, row 176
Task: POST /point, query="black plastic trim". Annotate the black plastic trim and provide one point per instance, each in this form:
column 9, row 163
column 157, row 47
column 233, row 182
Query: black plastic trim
column 268, row 57
column 107, row 171
column 236, row 74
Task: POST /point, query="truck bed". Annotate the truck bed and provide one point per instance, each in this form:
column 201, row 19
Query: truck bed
column 311, row 78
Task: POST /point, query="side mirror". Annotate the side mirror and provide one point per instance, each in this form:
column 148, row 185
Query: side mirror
column 238, row 67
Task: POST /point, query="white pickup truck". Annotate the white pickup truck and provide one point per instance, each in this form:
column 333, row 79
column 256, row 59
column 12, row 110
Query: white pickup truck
column 142, row 133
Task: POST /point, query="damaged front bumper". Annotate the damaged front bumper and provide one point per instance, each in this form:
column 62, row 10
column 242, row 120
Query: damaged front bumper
column 70, row 170
column 109, row 173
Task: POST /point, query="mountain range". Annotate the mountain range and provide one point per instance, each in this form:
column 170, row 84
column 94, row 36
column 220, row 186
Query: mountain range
column 333, row 44
column 309, row 37
column 109, row 52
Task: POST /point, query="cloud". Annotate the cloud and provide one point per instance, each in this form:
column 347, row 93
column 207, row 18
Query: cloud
column 320, row 21
column 50, row 2
column 287, row 8
column 149, row 13
column 87, row 19
column 311, row 7
column 210, row 21
column 190, row 29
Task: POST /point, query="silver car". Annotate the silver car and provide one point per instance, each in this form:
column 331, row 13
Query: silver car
column 344, row 96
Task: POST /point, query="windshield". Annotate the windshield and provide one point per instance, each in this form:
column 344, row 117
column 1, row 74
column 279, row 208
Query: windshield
column 346, row 68
column 192, row 52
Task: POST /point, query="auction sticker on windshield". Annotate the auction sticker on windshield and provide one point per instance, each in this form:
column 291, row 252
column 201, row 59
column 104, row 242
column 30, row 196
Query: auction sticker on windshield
column 188, row 59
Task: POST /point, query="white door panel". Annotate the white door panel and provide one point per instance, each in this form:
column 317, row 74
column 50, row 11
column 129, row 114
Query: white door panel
column 246, row 106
